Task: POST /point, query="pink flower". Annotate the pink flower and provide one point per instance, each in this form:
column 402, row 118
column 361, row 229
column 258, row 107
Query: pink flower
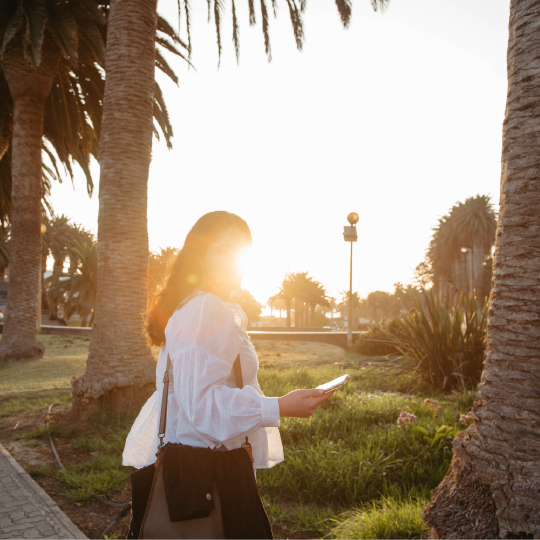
column 432, row 403
column 405, row 418
column 466, row 418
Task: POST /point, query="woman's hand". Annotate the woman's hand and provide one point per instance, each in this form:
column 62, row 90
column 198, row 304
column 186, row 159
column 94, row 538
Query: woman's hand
column 302, row 403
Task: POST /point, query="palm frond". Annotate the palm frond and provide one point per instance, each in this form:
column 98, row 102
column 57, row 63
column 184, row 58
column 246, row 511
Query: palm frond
column 251, row 5
column 187, row 11
column 218, row 10
column 66, row 29
column 164, row 66
column 35, row 12
column 265, row 27
column 14, row 21
column 162, row 116
column 344, row 8
column 236, row 32
column 297, row 24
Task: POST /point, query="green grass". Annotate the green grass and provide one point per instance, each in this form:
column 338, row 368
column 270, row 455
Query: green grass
column 352, row 451
column 387, row 518
column 349, row 470
column 65, row 357
column 14, row 406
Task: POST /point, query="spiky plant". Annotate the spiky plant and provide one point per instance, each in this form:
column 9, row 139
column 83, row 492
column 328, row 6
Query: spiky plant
column 443, row 344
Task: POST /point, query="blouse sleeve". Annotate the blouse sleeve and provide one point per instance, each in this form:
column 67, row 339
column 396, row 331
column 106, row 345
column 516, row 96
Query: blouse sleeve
column 203, row 350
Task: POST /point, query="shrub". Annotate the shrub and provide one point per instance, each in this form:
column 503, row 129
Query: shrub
column 374, row 343
column 443, row 344
column 388, row 518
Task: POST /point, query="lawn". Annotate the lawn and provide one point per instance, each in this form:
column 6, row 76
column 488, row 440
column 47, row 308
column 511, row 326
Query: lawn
column 349, row 471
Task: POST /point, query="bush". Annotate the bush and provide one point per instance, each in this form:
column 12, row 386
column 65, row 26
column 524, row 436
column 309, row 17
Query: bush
column 374, row 342
column 388, row 518
column 443, row 344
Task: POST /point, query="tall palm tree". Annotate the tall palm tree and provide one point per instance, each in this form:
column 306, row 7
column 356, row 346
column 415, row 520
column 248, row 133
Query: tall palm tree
column 492, row 488
column 52, row 65
column 36, row 35
column 120, row 362
column 123, row 368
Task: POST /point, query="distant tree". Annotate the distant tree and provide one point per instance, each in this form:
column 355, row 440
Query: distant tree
column 276, row 303
column 471, row 224
column 159, row 263
column 62, row 240
column 379, row 303
column 306, row 293
column 79, row 287
column 343, row 307
column 245, row 300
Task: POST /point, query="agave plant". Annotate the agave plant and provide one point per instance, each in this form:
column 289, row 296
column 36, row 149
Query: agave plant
column 443, row 344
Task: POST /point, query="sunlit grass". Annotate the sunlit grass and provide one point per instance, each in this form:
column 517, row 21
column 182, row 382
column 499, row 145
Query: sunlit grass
column 349, row 470
column 65, row 357
column 387, row 518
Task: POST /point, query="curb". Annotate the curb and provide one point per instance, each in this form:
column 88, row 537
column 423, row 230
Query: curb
column 57, row 518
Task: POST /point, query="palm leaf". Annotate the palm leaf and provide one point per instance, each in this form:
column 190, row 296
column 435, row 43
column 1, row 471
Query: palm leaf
column 218, row 10
column 345, row 10
column 251, row 5
column 265, row 27
column 66, row 30
column 236, row 32
column 13, row 23
column 36, row 15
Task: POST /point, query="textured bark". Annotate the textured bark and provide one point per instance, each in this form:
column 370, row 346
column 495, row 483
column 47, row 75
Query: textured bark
column 120, row 368
column 502, row 450
column 29, row 87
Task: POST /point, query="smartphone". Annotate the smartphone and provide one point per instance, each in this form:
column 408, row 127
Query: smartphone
column 332, row 385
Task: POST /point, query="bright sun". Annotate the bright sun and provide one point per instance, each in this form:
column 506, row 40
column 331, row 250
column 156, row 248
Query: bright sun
column 245, row 261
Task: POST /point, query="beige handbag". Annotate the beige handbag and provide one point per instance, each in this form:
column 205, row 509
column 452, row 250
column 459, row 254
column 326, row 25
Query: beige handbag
column 156, row 522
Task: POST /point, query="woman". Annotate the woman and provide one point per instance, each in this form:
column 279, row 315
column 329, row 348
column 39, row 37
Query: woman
column 203, row 339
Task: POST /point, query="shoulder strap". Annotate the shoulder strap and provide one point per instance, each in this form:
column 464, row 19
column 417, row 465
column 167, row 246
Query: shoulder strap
column 165, row 395
column 237, row 367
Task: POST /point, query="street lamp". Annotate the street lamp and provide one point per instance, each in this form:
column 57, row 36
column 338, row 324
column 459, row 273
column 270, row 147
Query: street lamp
column 349, row 235
column 469, row 261
column 42, row 230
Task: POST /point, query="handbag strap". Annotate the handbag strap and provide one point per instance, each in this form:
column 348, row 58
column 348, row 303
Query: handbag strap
column 165, row 395
column 237, row 368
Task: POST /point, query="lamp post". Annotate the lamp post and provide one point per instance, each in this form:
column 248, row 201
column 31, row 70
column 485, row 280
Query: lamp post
column 469, row 261
column 43, row 229
column 350, row 235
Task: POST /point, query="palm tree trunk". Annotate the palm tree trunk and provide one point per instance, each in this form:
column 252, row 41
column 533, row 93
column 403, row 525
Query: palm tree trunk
column 289, row 313
column 120, row 366
column 29, row 87
column 492, row 489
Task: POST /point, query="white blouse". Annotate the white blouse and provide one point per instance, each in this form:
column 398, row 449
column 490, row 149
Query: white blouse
column 205, row 408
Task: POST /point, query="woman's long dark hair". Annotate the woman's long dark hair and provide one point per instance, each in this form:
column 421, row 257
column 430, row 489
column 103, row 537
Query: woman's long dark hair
column 185, row 273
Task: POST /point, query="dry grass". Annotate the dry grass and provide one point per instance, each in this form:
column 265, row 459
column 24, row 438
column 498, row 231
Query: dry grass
column 286, row 354
column 65, row 357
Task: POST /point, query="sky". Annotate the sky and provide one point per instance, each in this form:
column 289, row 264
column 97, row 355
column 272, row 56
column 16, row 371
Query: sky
column 396, row 118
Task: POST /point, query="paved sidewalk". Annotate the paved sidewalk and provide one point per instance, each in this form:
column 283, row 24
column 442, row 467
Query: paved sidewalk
column 26, row 511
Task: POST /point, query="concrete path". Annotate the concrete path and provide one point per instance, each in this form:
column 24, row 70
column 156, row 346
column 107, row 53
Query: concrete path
column 26, row 511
